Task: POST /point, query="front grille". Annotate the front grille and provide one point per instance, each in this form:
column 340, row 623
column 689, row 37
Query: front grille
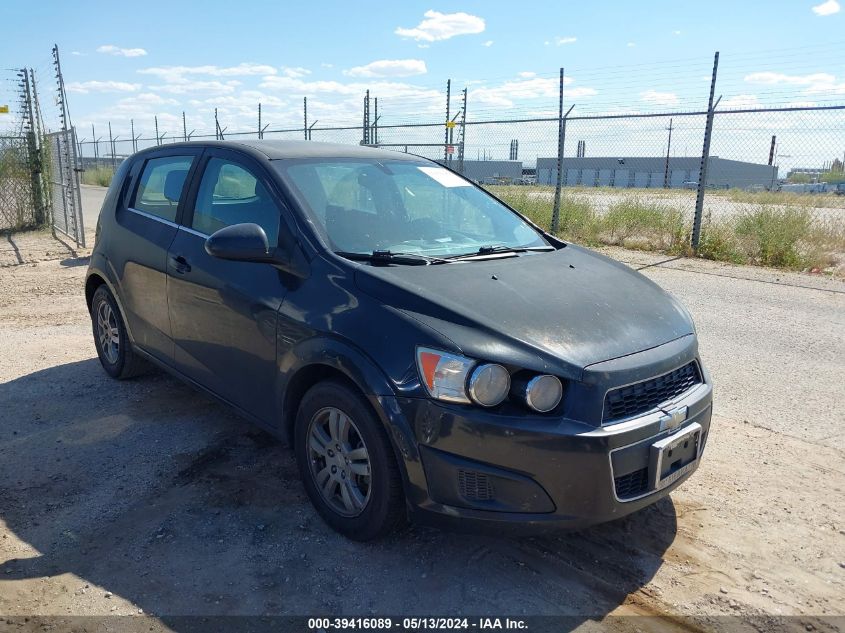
column 474, row 486
column 632, row 400
column 631, row 485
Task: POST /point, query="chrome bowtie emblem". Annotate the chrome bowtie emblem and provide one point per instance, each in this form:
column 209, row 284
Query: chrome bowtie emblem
column 674, row 418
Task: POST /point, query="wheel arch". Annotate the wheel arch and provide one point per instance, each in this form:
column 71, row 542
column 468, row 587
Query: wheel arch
column 93, row 281
column 320, row 359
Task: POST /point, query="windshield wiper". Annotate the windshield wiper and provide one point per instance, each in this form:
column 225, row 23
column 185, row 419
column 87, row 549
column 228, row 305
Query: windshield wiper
column 501, row 248
column 389, row 257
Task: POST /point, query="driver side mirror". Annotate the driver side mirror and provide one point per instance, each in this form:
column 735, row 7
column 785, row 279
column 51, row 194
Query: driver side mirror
column 248, row 242
column 239, row 242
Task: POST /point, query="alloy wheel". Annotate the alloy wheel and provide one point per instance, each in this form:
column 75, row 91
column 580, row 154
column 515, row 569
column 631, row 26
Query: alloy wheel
column 108, row 332
column 339, row 461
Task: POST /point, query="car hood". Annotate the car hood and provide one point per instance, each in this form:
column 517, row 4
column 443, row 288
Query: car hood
column 554, row 311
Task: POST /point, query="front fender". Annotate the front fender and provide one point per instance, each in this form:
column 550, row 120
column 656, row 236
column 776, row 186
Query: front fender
column 316, row 357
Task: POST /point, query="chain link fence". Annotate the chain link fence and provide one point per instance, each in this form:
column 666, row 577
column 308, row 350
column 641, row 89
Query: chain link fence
column 17, row 202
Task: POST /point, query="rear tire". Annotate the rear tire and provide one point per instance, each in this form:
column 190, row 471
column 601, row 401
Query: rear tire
column 347, row 463
column 111, row 339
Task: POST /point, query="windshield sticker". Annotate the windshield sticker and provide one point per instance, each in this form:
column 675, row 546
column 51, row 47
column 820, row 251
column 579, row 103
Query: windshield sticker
column 444, row 177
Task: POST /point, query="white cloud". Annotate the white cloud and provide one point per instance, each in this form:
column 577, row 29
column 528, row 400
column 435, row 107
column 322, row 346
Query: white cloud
column 110, row 49
column 659, row 98
column 505, row 94
column 296, row 71
column 631, row 44
column 781, row 78
column 423, row 45
column 827, row 8
column 356, row 89
column 84, row 87
column 560, row 41
column 77, row 54
column 389, row 68
column 676, row 32
column 814, row 83
column 488, row 43
column 177, row 74
column 327, row 65
column 442, row 26
column 189, row 86
column 527, row 74
column 739, row 101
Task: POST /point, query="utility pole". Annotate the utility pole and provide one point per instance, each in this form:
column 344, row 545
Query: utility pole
column 668, row 148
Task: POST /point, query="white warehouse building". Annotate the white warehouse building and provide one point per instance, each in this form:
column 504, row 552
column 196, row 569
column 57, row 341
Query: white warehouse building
column 649, row 172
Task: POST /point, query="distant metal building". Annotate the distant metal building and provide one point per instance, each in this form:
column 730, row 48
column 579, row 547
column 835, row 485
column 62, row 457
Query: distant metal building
column 649, row 172
column 490, row 171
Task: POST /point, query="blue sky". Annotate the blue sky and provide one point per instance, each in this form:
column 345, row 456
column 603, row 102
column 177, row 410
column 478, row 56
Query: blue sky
column 162, row 58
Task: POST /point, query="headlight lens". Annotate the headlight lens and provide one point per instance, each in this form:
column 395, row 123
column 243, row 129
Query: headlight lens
column 444, row 375
column 489, row 384
column 543, row 393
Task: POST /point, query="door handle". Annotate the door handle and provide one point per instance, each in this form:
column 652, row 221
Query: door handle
column 180, row 264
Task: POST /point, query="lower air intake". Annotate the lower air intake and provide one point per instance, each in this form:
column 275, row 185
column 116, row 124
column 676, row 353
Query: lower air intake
column 474, row 486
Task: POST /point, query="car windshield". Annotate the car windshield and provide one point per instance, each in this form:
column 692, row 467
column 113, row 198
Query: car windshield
column 400, row 206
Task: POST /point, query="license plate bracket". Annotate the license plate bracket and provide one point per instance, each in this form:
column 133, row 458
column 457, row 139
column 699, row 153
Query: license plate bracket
column 674, row 456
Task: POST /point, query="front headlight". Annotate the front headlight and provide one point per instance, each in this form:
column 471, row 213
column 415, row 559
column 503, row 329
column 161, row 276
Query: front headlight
column 456, row 378
column 444, row 375
column 489, row 384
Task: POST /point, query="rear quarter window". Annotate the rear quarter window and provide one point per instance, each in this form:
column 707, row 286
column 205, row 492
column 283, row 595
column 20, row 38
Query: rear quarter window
column 161, row 185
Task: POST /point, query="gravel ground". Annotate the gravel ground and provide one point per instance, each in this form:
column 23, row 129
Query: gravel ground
column 146, row 497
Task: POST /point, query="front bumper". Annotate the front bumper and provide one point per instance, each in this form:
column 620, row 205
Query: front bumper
column 469, row 465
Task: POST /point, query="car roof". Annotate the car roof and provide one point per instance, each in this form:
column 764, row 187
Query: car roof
column 277, row 149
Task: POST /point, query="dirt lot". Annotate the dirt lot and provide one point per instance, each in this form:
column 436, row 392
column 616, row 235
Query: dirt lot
column 147, row 498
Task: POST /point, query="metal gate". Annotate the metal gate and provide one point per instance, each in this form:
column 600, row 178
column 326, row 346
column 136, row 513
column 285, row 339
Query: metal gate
column 64, row 197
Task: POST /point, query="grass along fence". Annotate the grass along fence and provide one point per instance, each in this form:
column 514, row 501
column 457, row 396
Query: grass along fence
column 779, row 232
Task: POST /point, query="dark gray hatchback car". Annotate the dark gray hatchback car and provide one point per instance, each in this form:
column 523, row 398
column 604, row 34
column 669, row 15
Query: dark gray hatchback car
column 425, row 349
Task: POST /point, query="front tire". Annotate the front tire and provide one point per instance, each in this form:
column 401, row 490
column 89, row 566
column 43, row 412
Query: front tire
column 111, row 339
column 347, row 463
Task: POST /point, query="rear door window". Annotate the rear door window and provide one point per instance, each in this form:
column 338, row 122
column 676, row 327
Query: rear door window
column 161, row 185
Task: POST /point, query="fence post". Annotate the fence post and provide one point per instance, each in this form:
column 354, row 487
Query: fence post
column 561, row 131
column 463, row 133
column 305, row 117
column 705, row 159
column 446, row 138
column 111, row 148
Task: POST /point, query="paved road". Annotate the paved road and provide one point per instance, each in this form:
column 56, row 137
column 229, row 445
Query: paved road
column 92, row 200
